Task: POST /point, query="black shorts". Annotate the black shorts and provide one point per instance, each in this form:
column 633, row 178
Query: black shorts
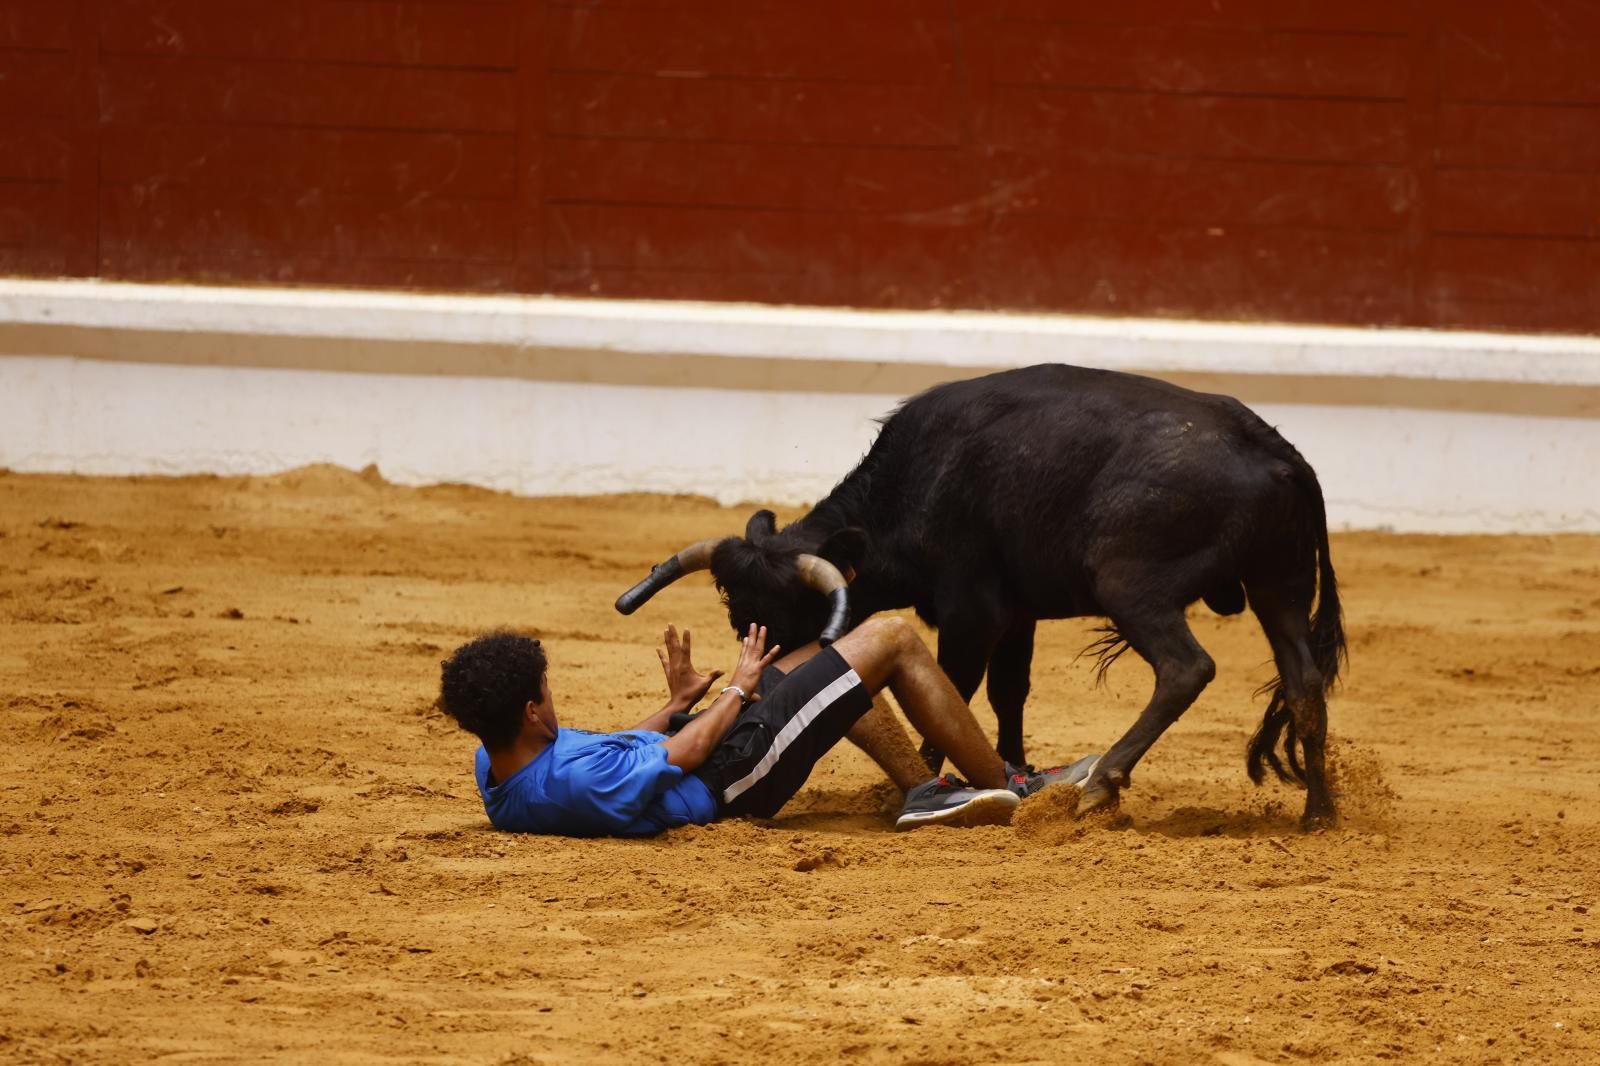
column 768, row 754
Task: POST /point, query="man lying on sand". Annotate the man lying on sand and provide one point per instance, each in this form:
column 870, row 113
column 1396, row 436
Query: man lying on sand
column 747, row 753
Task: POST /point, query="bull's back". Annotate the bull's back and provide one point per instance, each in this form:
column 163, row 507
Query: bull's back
column 1048, row 433
column 1024, row 476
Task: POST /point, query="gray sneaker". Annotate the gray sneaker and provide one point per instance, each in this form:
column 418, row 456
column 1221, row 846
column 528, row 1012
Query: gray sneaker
column 950, row 801
column 1025, row 782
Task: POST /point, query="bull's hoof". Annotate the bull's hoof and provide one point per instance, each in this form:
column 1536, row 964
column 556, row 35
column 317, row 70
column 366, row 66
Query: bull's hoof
column 1312, row 821
column 1096, row 796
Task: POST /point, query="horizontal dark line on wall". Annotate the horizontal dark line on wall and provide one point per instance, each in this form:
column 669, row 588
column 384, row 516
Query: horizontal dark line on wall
column 726, row 208
column 632, row 138
column 758, row 142
column 1578, row 169
column 60, row 118
column 1552, row 105
column 508, row 134
column 305, row 61
column 796, row 273
column 1202, row 24
column 309, row 125
column 951, row 80
column 386, row 200
column 1131, row 221
column 1198, row 94
column 114, row 250
column 1103, row 156
column 1098, row 155
column 445, row 3
column 1499, row 235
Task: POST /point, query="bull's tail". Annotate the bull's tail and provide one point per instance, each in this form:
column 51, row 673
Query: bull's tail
column 1328, row 649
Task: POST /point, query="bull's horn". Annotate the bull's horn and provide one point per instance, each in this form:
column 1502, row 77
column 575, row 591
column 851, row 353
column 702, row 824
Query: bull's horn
column 826, row 579
column 696, row 556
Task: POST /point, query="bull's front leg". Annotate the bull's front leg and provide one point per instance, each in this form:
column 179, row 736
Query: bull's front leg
column 1010, row 669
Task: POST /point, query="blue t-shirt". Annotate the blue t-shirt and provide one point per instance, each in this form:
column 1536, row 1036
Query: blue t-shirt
column 596, row 784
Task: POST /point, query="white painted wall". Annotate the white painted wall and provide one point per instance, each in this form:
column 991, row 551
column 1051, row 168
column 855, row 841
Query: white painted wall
column 1381, row 466
column 529, row 437
column 1448, row 472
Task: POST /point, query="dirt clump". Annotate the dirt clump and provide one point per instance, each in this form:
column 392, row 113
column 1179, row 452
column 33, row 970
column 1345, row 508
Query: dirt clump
column 1049, row 816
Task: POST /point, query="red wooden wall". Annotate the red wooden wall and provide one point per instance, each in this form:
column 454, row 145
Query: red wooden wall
column 1421, row 162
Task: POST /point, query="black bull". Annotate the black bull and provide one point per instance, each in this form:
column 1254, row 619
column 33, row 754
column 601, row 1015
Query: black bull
column 1062, row 492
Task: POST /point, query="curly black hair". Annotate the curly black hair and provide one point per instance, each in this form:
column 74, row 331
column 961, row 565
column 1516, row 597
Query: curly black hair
column 488, row 682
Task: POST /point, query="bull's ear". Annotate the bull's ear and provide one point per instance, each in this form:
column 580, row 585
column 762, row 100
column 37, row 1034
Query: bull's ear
column 762, row 524
column 845, row 548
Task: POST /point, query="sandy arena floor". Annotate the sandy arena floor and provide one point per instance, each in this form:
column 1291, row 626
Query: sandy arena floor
column 233, row 827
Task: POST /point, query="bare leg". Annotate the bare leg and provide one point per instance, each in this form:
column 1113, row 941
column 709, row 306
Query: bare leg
column 965, row 641
column 880, row 734
column 887, row 653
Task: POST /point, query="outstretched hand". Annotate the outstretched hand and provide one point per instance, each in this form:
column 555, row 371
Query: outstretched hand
column 685, row 685
column 753, row 659
column 690, row 746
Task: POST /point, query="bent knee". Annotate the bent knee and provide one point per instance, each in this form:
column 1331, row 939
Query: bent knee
column 891, row 630
column 1192, row 674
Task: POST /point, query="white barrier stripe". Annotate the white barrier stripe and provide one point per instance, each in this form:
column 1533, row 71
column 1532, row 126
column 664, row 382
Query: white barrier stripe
column 790, row 732
column 972, row 339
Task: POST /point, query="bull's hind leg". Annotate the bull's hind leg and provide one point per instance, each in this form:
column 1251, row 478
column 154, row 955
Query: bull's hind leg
column 1285, row 621
column 1162, row 638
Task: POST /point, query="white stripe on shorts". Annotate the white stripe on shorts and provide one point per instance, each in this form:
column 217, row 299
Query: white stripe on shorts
column 792, row 729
